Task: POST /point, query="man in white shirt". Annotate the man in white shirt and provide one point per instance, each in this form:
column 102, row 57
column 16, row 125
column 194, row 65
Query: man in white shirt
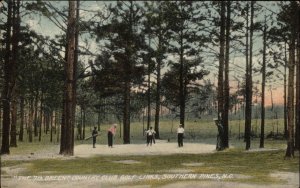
column 180, row 132
column 150, row 134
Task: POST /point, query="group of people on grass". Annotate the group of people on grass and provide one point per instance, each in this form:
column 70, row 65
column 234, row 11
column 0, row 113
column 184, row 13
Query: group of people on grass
column 150, row 134
column 110, row 134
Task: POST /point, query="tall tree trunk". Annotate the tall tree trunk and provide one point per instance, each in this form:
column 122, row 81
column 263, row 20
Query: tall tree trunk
column 290, row 107
column 285, row 102
column 68, row 148
column 7, row 77
column 14, row 64
column 99, row 120
column 158, row 89
column 48, row 117
column 149, row 92
column 57, row 126
column 43, row 122
column 226, row 81
column 22, row 119
column 30, row 119
column 63, row 126
column 83, row 123
column 55, row 120
column 13, row 130
column 51, row 126
column 80, row 126
column 126, row 115
column 47, row 121
column 35, row 128
column 26, row 114
column 221, row 62
column 181, row 81
column 297, row 133
column 263, row 83
column 75, row 74
column 247, row 71
column 127, row 86
column 1, row 119
column 41, row 118
column 185, row 91
column 248, row 112
column 297, row 122
column 221, row 91
column 290, row 104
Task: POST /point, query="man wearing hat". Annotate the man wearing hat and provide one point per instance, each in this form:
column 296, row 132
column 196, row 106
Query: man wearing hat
column 94, row 135
column 180, row 132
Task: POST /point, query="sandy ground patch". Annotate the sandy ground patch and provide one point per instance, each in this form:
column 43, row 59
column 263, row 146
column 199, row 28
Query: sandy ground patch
column 178, row 171
column 15, row 170
column 141, row 149
column 192, row 164
column 127, row 162
column 85, row 150
column 291, row 178
column 50, row 153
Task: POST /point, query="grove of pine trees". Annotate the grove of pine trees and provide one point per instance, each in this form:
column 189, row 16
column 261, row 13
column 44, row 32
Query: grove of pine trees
column 130, row 57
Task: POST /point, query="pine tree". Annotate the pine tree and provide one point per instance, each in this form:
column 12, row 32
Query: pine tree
column 67, row 125
column 124, row 51
column 184, row 38
column 6, row 95
column 249, row 85
column 263, row 82
column 157, row 26
column 225, row 118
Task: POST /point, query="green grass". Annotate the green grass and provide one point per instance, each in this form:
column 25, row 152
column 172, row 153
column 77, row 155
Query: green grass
column 195, row 131
column 258, row 165
column 28, row 148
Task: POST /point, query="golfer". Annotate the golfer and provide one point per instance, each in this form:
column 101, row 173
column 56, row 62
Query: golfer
column 180, row 132
column 94, row 135
column 110, row 133
column 150, row 136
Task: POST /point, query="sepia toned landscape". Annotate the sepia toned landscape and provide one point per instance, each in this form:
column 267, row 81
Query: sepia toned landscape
column 167, row 94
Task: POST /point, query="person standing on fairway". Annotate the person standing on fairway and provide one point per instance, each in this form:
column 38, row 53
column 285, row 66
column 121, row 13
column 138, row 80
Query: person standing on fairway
column 150, row 134
column 94, row 135
column 110, row 133
column 180, row 132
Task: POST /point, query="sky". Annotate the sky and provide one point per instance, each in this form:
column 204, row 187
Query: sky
column 43, row 26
